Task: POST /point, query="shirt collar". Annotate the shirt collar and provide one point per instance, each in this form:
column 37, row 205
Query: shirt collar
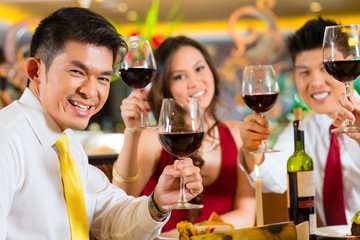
column 44, row 127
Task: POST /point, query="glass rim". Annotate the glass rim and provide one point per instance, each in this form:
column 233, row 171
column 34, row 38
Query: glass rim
column 136, row 40
column 260, row 66
column 342, row 26
column 180, row 98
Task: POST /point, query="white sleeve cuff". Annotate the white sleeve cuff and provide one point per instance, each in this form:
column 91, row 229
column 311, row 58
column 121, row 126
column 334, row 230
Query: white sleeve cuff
column 149, row 224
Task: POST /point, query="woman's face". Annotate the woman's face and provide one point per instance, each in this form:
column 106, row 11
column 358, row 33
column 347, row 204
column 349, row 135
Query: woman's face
column 191, row 76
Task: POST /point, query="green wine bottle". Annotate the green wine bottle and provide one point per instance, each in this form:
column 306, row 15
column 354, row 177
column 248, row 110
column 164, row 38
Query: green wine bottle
column 301, row 185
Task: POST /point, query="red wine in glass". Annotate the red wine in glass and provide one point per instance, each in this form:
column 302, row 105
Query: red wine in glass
column 137, row 77
column 181, row 144
column 260, row 101
column 341, row 59
column 260, row 90
column 137, row 70
column 343, row 70
column 181, row 133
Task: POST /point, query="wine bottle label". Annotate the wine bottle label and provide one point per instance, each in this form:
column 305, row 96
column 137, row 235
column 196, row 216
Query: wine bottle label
column 302, row 208
column 301, row 126
column 306, row 204
column 305, row 183
column 312, row 223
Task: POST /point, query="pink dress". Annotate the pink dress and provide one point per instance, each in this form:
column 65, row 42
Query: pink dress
column 219, row 196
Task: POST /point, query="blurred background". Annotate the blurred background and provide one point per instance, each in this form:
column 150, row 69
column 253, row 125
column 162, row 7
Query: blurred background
column 236, row 32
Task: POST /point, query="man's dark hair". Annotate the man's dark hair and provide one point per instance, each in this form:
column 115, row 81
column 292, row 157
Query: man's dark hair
column 309, row 36
column 77, row 24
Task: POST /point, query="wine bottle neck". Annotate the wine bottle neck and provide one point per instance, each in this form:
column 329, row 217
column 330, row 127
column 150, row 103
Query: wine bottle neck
column 298, row 137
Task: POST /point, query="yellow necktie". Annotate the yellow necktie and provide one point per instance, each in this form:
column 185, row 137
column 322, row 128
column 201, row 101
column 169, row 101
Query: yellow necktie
column 73, row 191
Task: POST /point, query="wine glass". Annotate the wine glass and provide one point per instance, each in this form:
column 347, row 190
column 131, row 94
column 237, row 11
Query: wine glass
column 260, row 90
column 137, row 69
column 341, row 58
column 181, row 132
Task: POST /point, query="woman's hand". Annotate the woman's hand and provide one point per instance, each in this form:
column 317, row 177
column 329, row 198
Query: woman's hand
column 254, row 129
column 131, row 108
column 168, row 188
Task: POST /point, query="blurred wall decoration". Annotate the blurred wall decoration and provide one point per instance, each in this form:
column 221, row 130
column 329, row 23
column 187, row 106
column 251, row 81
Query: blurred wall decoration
column 252, row 36
column 16, row 48
column 263, row 44
column 109, row 118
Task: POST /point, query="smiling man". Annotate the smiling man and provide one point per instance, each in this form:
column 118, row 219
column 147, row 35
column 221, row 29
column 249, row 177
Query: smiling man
column 320, row 92
column 48, row 189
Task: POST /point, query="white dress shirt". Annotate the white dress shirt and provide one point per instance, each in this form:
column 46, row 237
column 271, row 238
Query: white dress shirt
column 273, row 170
column 32, row 204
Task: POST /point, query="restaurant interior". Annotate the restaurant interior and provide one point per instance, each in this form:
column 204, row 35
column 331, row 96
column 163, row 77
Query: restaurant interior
column 237, row 33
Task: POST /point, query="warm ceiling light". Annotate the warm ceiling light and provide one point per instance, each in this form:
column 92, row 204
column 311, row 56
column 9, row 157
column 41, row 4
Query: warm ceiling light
column 122, row 7
column 99, row 1
column 352, row 42
column 131, row 16
column 315, row 7
column 84, row 3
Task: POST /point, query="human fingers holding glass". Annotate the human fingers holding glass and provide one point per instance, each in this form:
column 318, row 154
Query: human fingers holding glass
column 254, row 130
column 133, row 107
column 181, row 133
column 137, row 69
column 167, row 191
column 341, row 59
column 260, row 90
column 348, row 109
column 188, row 72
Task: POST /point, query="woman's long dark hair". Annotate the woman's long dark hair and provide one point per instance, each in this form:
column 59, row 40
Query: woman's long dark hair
column 160, row 90
column 160, row 84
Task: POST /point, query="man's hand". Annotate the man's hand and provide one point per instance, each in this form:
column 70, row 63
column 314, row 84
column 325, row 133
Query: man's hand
column 168, row 188
column 253, row 130
column 348, row 108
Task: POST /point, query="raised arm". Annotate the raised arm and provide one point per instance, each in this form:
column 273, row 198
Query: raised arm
column 136, row 161
column 254, row 129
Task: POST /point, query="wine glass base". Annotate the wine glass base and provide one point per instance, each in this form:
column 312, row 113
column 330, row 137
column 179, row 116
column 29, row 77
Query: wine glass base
column 140, row 128
column 183, row 205
column 346, row 129
column 265, row 150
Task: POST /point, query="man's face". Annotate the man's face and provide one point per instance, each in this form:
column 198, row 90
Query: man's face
column 76, row 85
column 316, row 87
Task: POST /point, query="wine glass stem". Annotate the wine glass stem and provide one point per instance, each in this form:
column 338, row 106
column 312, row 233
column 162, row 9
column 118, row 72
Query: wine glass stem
column 182, row 198
column 263, row 142
column 142, row 117
column 142, row 122
column 347, row 90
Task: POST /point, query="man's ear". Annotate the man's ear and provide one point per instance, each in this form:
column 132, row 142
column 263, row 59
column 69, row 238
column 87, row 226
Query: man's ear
column 32, row 69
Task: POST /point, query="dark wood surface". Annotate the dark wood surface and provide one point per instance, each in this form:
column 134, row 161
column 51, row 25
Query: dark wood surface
column 98, row 159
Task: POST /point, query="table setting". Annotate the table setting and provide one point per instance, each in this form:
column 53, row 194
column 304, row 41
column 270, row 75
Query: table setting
column 334, row 232
column 276, row 231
